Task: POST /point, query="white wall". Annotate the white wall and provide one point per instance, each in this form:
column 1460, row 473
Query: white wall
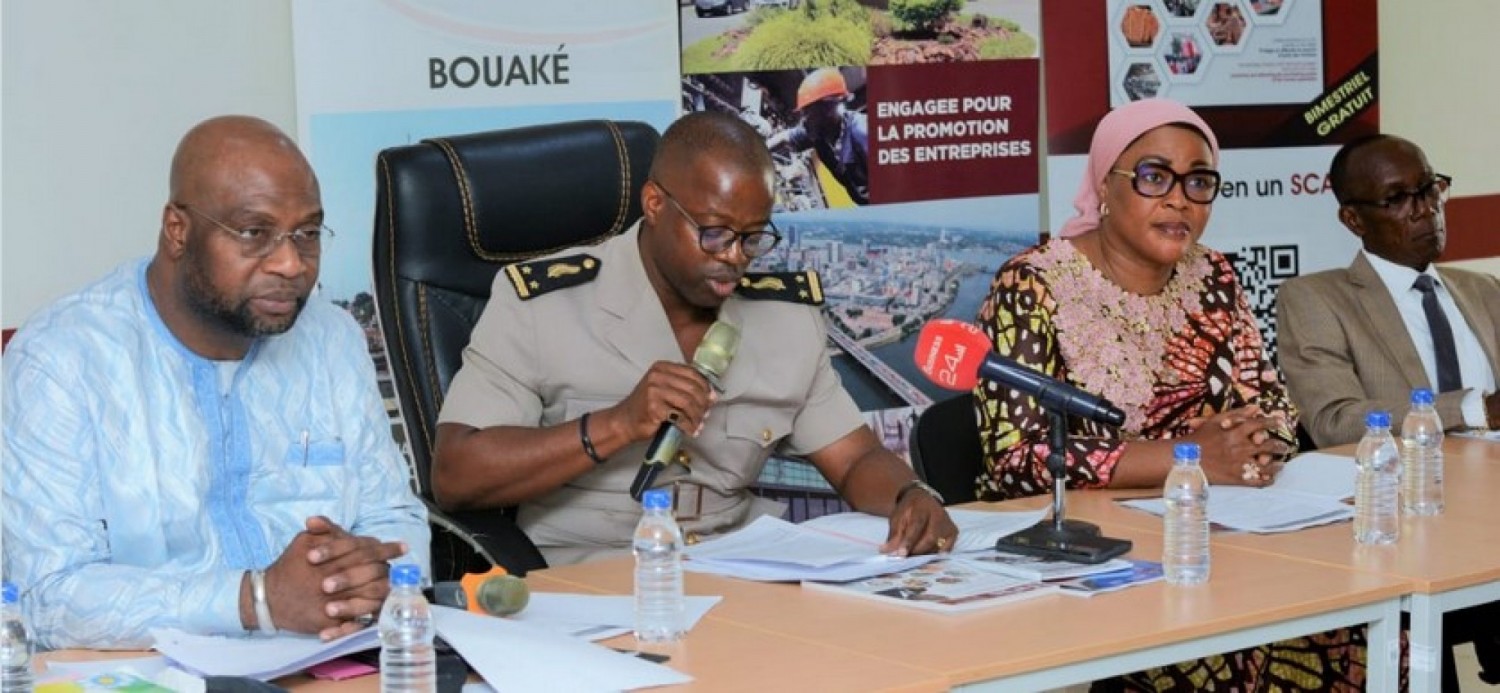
column 96, row 95
column 97, row 92
column 1438, row 69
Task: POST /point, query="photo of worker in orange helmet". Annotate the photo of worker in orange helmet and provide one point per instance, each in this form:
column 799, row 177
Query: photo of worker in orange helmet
column 838, row 133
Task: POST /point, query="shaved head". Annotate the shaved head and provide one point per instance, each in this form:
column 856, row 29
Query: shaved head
column 709, row 135
column 235, row 179
column 216, row 147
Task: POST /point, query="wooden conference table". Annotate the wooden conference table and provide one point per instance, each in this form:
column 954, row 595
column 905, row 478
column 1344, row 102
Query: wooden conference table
column 764, row 635
column 1046, row 642
column 1450, row 561
column 1264, row 588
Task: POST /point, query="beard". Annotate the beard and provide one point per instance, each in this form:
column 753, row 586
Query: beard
column 221, row 311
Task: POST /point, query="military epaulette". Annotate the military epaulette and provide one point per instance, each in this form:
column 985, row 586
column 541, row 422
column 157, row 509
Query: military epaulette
column 532, row 279
column 794, row 287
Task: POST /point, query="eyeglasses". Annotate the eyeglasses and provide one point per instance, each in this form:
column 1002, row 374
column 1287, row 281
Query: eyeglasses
column 1156, row 180
column 260, row 241
column 754, row 242
column 1434, row 192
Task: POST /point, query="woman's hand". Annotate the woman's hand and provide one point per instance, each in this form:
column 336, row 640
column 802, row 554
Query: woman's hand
column 1238, row 447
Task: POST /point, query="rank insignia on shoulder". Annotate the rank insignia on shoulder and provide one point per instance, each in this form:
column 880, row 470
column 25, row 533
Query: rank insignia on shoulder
column 532, row 279
column 794, row 287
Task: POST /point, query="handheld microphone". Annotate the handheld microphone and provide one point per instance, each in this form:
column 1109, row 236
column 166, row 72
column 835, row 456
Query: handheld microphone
column 710, row 359
column 953, row 354
column 495, row 593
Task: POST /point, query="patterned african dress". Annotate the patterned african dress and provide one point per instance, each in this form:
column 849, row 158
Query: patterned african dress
column 1191, row 351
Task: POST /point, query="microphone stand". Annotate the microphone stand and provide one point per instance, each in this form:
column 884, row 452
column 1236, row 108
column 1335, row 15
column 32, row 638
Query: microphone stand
column 1062, row 539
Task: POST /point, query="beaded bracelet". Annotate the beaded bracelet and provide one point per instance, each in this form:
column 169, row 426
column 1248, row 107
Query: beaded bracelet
column 588, row 444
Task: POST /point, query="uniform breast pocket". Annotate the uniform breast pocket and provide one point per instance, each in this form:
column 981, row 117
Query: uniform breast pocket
column 757, row 426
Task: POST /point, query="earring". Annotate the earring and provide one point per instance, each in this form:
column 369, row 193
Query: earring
column 1103, row 209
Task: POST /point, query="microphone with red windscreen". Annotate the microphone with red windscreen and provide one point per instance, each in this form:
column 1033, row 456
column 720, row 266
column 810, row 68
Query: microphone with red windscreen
column 954, row 354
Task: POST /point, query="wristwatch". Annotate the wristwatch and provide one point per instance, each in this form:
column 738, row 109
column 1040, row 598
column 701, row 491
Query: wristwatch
column 919, row 484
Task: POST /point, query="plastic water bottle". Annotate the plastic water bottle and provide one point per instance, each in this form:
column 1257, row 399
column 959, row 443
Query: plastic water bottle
column 1375, row 510
column 407, row 661
column 1185, row 558
column 659, row 604
column 15, row 645
column 1422, row 457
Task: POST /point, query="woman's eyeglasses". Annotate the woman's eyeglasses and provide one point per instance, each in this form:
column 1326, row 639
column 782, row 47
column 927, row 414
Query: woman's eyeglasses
column 1156, row 180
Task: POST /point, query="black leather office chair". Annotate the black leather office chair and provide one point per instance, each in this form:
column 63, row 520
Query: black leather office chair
column 945, row 448
column 449, row 213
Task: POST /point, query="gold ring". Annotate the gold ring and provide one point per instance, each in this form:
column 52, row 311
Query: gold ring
column 942, row 543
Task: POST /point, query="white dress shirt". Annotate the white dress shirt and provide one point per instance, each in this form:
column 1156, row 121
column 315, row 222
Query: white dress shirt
column 1478, row 377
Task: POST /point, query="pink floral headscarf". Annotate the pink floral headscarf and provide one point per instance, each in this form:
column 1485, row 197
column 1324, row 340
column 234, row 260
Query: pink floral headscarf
column 1116, row 130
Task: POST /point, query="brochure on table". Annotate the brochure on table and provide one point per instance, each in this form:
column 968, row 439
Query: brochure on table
column 1310, row 491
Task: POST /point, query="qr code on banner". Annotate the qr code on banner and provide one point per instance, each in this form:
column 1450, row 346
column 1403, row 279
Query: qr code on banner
column 1261, row 270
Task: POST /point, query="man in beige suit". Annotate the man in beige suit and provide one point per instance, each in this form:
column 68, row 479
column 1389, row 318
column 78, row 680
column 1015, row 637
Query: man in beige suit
column 579, row 358
column 1358, row 339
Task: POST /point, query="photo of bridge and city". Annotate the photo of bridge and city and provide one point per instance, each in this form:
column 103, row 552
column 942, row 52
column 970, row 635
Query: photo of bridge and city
column 884, row 275
column 883, row 279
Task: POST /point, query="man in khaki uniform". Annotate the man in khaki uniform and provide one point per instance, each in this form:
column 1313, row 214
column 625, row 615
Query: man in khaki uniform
column 580, row 357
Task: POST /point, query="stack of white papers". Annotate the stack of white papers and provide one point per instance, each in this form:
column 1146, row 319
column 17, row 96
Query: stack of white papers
column 507, row 652
column 1310, row 491
column 836, row 548
column 255, row 657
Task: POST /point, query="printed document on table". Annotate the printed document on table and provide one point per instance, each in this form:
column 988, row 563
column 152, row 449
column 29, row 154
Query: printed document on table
column 515, row 656
column 840, row 547
column 1310, row 491
column 978, row 530
column 596, row 616
column 774, row 550
column 949, row 586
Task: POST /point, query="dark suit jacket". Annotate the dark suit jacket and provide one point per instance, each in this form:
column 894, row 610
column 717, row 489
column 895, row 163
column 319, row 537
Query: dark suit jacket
column 1345, row 351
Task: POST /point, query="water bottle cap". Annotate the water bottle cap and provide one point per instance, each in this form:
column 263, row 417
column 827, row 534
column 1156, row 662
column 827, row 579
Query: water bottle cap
column 657, row 499
column 1421, row 395
column 1185, row 452
column 406, row 575
column 11, row 594
column 1378, row 419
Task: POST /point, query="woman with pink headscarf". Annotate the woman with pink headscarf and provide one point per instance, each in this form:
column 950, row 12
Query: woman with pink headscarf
column 1127, row 304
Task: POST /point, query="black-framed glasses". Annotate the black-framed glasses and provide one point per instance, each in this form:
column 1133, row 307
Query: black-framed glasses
column 1434, row 192
column 1149, row 179
column 260, row 241
column 754, row 241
